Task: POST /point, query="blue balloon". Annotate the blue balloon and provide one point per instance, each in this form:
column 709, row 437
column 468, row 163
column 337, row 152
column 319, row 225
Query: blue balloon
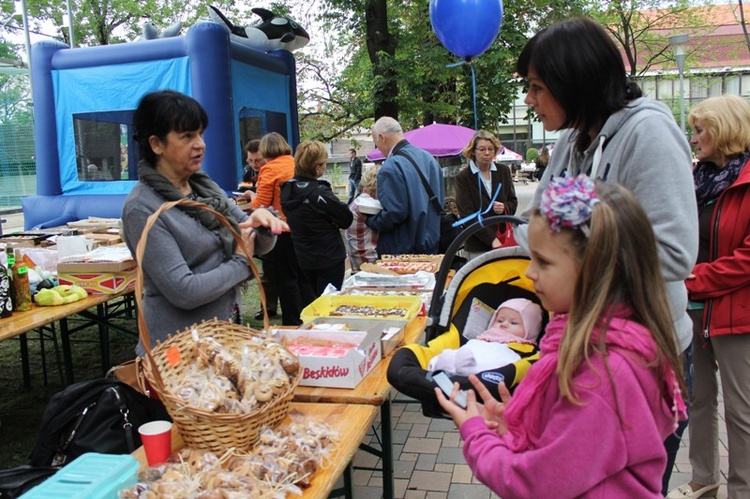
column 466, row 27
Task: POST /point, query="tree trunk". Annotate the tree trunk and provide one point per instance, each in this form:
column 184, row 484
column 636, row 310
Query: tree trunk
column 744, row 26
column 381, row 47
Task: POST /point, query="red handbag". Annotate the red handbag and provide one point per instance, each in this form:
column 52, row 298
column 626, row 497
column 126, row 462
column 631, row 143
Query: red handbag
column 507, row 239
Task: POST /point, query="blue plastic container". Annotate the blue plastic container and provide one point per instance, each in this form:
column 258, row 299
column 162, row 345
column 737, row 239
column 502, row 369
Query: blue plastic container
column 90, row 476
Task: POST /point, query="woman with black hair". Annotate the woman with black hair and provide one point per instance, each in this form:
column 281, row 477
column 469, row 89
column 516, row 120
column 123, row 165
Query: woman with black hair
column 577, row 83
column 192, row 265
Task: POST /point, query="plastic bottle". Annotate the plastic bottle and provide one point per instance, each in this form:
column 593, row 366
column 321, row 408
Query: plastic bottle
column 6, row 300
column 21, row 290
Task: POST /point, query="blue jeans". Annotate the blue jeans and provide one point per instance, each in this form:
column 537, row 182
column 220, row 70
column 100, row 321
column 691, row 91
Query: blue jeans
column 352, row 190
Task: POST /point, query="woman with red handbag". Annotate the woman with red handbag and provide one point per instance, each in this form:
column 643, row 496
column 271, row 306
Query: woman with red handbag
column 476, row 186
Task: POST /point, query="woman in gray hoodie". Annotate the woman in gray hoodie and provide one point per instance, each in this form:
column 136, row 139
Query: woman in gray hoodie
column 577, row 83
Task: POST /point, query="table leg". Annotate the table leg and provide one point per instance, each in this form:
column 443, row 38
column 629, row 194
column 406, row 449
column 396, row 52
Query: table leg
column 386, row 433
column 25, row 369
column 103, row 313
column 67, row 354
column 348, row 482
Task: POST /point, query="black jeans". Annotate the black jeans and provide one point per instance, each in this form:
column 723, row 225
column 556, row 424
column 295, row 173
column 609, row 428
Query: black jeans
column 320, row 278
column 292, row 287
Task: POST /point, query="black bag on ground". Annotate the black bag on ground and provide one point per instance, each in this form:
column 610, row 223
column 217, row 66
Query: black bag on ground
column 17, row 481
column 101, row 415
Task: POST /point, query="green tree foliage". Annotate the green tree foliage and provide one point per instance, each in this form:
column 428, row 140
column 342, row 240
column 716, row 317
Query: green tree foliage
column 398, row 63
column 103, row 22
column 642, row 28
column 14, row 91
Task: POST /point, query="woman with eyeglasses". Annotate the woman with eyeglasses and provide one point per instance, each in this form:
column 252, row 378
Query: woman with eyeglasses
column 476, row 185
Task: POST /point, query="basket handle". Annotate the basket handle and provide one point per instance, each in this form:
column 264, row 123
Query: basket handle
column 140, row 250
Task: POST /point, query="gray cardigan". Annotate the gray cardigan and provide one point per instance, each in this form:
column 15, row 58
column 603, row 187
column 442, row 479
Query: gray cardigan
column 645, row 151
column 186, row 276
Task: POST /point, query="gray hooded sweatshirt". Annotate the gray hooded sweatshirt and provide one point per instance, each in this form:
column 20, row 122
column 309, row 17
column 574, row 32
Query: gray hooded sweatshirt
column 642, row 148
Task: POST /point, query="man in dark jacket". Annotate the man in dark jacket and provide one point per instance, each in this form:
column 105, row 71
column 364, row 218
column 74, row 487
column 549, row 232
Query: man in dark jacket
column 408, row 223
column 355, row 174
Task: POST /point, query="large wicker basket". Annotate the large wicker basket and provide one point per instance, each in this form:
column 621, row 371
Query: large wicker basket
column 199, row 428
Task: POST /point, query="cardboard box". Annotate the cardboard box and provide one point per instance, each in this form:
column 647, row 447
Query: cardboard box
column 325, row 305
column 336, row 372
column 23, row 240
column 391, row 332
column 103, row 259
column 103, row 239
column 97, row 283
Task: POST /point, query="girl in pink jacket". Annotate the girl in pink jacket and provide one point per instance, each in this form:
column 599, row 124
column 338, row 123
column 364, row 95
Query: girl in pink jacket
column 590, row 418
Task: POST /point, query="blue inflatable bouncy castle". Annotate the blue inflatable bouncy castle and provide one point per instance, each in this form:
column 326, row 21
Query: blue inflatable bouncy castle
column 84, row 99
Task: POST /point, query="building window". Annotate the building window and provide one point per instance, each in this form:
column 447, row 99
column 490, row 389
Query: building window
column 745, row 86
column 665, row 89
column 733, row 85
column 648, row 87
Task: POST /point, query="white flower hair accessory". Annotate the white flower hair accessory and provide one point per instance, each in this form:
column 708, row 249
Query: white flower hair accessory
column 568, row 202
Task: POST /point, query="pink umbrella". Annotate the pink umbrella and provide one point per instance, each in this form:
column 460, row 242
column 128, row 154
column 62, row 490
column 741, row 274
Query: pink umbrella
column 438, row 139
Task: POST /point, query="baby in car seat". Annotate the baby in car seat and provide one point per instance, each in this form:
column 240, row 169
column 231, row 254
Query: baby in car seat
column 517, row 320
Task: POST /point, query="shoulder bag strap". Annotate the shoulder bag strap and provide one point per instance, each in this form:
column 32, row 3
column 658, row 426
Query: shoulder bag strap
column 433, row 199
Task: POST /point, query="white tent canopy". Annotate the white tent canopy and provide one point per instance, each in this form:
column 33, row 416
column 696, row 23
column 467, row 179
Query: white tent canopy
column 506, row 154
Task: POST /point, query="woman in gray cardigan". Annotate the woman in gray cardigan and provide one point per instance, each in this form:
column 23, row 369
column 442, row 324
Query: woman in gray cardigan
column 192, row 265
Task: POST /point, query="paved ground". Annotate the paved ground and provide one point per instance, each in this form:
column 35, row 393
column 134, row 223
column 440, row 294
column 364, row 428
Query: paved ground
column 429, row 463
column 427, row 452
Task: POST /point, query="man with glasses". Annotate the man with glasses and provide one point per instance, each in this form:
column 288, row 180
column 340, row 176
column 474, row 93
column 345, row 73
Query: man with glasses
column 409, row 222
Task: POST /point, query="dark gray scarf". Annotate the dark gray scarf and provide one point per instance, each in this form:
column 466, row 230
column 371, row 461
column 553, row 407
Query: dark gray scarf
column 711, row 181
column 207, row 192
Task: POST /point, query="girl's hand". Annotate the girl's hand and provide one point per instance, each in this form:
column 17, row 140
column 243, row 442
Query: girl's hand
column 264, row 218
column 249, row 195
column 493, row 411
column 458, row 414
column 498, row 207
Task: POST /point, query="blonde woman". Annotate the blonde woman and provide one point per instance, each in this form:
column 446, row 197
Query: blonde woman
column 316, row 217
column 719, row 291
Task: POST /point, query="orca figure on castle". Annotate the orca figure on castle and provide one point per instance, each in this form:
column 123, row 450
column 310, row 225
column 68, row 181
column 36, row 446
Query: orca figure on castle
column 271, row 33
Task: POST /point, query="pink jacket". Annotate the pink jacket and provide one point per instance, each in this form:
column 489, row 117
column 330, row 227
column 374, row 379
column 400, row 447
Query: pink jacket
column 587, row 450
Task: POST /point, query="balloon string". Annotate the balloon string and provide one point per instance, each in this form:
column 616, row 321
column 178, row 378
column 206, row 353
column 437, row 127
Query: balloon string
column 479, row 214
column 473, row 86
column 474, row 96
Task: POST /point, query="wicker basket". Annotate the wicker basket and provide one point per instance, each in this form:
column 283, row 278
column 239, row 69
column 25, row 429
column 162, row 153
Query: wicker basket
column 199, row 428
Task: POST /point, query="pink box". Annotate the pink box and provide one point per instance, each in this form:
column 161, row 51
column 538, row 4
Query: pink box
column 337, row 372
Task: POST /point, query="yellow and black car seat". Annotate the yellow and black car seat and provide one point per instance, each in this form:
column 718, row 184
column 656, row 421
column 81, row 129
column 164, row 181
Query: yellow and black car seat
column 491, row 278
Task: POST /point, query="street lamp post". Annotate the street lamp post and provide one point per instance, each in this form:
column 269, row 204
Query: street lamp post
column 678, row 42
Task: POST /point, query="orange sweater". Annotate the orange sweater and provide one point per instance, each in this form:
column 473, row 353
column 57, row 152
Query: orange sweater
column 271, row 176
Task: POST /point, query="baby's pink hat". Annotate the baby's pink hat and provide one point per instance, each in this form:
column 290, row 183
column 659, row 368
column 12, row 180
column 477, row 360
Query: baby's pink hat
column 531, row 314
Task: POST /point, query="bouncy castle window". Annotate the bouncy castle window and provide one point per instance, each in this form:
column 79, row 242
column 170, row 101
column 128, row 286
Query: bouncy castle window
column 255, row 123
column 104, row 146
